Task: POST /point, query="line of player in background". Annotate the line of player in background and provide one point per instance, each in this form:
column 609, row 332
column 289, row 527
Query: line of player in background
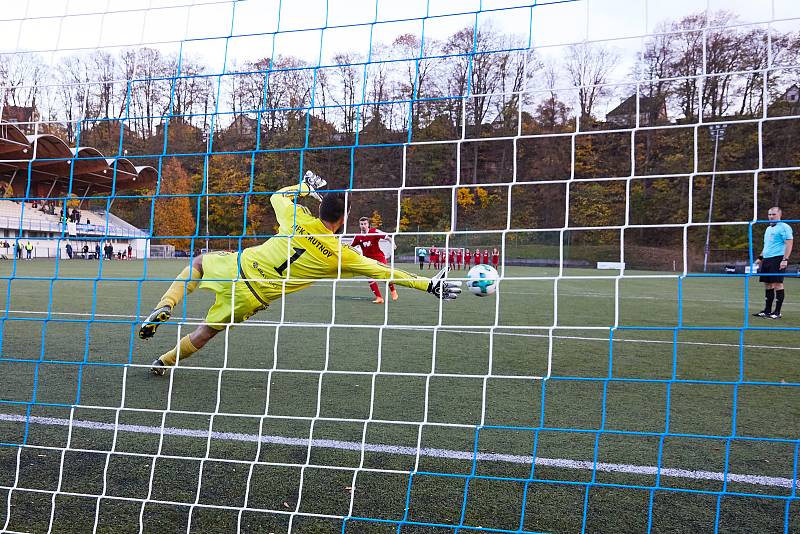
column 369, row 242
column 460, row 258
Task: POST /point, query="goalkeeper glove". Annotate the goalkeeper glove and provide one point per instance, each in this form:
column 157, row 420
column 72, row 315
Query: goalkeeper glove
column 444, row 289
column 314, row 182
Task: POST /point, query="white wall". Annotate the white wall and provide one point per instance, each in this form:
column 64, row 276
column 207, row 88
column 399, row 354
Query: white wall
column 47, row 248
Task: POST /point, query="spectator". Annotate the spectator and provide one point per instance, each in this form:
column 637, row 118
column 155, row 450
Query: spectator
column 97, row 251
column 28, row 250
column 130, row 252
column 69, row 250
column 85, row 252
column 19, row 250
column 119, row 254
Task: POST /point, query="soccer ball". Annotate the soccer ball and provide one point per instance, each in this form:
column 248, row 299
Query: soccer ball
column 482, row 280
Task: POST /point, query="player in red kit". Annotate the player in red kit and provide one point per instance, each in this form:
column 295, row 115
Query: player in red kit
column 467, row 258
column 476, row 258
column 495, row 258
column 486, row 256
column 452, row 256
column 434, row 257
column 369, row 240
column 459, row 258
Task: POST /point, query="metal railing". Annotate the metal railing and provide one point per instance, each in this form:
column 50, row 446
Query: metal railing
column 32, row 224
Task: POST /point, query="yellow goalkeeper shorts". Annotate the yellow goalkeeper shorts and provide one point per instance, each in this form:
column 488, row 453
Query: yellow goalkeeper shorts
column 234, row 301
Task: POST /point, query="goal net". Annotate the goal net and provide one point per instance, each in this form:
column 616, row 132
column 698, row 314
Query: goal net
column 162, row 251
column 626, row 158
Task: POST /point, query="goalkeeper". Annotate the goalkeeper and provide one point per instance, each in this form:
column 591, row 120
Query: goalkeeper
column 306, row 250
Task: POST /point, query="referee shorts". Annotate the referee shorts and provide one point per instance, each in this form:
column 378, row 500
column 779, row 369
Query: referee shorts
column 771, row 265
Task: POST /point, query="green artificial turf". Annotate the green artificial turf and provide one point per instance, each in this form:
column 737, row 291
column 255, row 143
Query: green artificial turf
column 637, row 372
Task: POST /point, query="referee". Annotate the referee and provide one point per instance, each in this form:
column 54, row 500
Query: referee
column 773, row 259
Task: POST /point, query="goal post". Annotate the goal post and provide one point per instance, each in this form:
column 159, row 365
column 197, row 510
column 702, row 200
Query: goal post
column 162, row 251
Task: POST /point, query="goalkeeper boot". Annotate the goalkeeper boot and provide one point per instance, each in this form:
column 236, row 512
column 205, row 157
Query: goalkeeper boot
column 158, row 368
column 762, row 313
column 152, row 322
column 394, row 294
column 774, row 315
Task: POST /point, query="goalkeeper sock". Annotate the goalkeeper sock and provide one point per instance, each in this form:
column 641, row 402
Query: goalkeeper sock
column 770, row 296
column 184, row 348
column 175, row 292
column 779, row 294
column 375, row 289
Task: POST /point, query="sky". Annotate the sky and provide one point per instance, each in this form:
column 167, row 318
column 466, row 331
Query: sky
column 61, row 25
column 221, row 33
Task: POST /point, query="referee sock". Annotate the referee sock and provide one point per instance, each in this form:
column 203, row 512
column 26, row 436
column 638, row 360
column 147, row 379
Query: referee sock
column 175, row 292
column 184, row 348
column 770, row 296
column 779, row 294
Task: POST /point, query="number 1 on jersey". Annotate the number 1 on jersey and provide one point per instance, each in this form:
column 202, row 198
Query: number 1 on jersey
column 297, row 253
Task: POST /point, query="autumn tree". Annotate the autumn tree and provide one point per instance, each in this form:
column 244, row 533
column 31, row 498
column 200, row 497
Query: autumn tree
column 375, row 219
column 588, row 66
column 416, row 76
column 231, row 197
column 174, row 215
column 347, row 77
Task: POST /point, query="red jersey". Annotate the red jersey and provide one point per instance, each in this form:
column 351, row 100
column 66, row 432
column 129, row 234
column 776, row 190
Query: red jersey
column 495, row 258
column 467, row 257
column 477, row 257
column 486, row 257
column 452, row 256
column 370, row 244
column 434, row 254
column 460, row 256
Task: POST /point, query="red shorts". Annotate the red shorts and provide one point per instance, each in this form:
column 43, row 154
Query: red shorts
column 379, row 259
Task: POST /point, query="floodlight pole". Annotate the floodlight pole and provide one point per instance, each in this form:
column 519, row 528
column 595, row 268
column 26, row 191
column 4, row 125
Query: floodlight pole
column 207, row 139
column 717, row 132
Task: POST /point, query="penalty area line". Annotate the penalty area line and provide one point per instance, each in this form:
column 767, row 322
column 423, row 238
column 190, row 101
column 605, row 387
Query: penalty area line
column 441, row 328
column 715, row 476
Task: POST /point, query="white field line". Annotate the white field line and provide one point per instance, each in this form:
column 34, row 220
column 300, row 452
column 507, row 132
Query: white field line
column 759, row 480
column 485, row 330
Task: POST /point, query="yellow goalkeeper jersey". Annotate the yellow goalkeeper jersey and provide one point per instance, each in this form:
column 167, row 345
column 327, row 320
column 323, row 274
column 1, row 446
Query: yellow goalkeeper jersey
column 305, row 251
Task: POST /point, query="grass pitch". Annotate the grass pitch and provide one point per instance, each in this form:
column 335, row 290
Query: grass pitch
column 310, row 413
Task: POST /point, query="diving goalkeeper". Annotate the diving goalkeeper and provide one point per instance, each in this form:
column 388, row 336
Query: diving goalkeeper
column 305, row 250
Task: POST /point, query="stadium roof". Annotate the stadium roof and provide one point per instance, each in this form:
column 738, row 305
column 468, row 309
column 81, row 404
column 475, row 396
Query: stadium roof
column 51, row 163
